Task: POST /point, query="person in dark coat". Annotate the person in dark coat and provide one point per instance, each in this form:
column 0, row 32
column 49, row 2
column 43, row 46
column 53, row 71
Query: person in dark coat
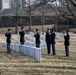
column 22, row 34
column 53, row 42
column 47, row 40
column 67, row 42
column 37, row 38
column 8, row 35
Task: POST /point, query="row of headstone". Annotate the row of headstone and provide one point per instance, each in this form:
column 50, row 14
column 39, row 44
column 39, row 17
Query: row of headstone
column 31, row 44
column 41, row 36
column 58, row 35
column 29, row 38
column 31, row 33
column 14, row 38
column 32, row 52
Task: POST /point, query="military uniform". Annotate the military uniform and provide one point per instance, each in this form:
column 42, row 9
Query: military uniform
column 8, row 35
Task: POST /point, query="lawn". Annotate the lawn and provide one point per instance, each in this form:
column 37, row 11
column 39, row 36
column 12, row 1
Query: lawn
column 2, row 30
column 18, row 64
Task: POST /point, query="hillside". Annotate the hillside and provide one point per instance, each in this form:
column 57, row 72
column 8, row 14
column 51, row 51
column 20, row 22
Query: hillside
column 18, row 64
column 60, row 28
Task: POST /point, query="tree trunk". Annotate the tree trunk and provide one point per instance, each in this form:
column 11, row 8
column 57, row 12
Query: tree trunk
column 16, row 23
column 43, row 20
column 56, row 25
column 43, row 24
column 30, row 15
column 16, row 28
column 30, row 22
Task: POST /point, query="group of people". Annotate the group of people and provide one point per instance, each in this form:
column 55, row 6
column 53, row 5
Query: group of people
column 49, row 39
column 8, row 34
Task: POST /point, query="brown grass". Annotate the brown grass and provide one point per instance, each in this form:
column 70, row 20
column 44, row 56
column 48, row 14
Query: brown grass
column 18, row 64
column 2, row 30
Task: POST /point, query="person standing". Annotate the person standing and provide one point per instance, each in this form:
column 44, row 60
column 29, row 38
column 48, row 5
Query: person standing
column 53, row 42
column 67, row 42
column 22, row 34
column 47, row 40
column 37, row 38
column 8, row 34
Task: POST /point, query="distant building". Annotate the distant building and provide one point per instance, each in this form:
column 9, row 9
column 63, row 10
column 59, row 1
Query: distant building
column 24, row 12
column 20, row 3
column 10, row 4
column 5, row 4
column 16, row 3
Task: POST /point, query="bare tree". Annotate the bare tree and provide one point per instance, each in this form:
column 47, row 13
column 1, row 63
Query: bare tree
column 66, row 9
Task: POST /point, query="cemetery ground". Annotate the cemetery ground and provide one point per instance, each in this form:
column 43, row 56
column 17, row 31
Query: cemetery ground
column 37, row 27
column 26, row 28
column 18, row 64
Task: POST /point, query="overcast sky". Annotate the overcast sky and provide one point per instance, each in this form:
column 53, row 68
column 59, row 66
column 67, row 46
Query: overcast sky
column 6, row 3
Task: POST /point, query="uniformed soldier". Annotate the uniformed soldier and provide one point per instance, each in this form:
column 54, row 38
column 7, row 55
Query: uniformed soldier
column 47, row 40
column 8, row 35
column 37, row 38
column 67, row 42
column 53, row 42
column 22, row 34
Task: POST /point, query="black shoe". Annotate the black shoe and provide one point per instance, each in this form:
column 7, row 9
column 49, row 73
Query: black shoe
column 67, row 55
column 48, row 53
column 8, row 52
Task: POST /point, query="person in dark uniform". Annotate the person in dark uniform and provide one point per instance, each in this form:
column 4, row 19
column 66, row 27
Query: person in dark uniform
column 22, row 34
column 67, row 42
column 47, row 40
column 8, row 35
column 37, row 38
column 53, row 42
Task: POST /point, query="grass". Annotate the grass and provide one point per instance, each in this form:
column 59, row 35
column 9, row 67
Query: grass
column 33, row 28
column 18, row 64
column 2, row 30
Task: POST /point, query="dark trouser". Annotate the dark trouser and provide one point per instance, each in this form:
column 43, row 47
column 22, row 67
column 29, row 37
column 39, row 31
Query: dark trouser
column 22, row 43
column 48, row 48
column 53, row 49
column 38, row 45
column 8, row 48
column 67, row 50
